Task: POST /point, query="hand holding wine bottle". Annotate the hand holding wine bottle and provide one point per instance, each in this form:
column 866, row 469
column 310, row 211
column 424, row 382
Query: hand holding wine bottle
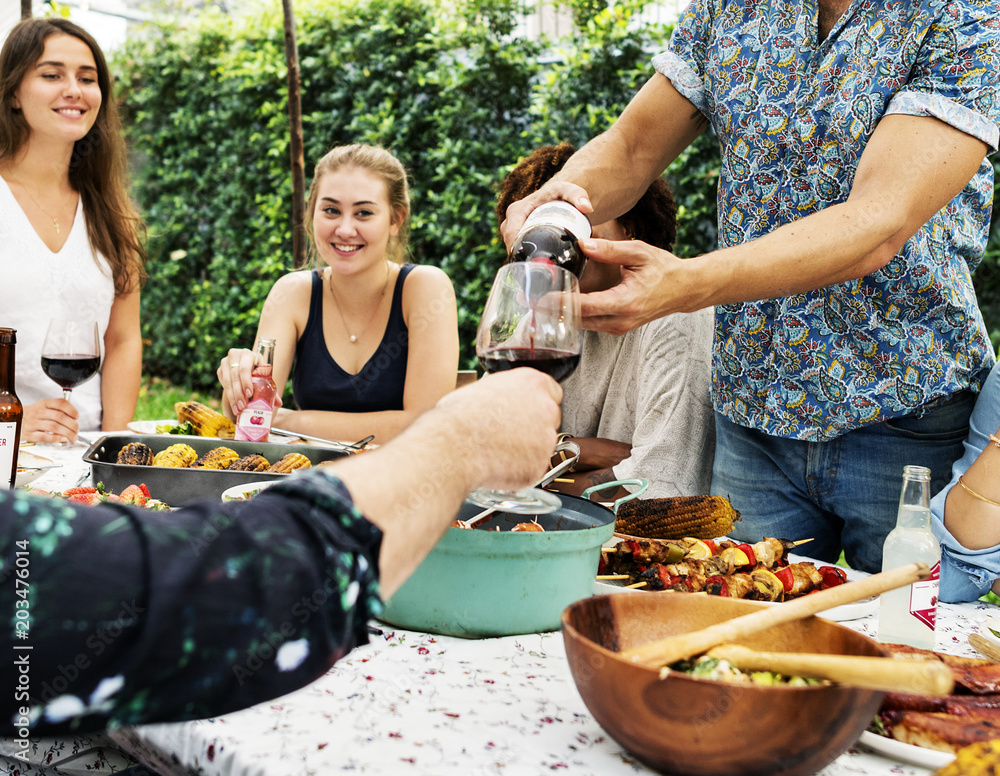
column 531, row 318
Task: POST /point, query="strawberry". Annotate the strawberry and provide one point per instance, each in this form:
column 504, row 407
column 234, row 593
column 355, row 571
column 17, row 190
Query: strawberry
column 133, row 495
column 88, row 499
column 81, row 491
column 144, row 489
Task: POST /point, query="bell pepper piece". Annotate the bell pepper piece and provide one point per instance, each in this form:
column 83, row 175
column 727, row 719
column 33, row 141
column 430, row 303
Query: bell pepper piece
column 786, row 577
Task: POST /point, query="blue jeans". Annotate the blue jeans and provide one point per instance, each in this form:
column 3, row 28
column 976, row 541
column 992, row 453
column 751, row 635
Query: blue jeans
column 843, row 494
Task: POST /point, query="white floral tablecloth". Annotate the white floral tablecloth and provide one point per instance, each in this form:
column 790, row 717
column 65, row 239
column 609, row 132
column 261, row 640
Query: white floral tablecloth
column 415, row 703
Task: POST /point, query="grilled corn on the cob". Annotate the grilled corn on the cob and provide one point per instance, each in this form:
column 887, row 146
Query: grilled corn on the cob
column 702, row 517
column 289, row 463
column 178, row 456
column 979, row 759
column 216, row 458
column 135, row 454
column 250, row 463
column 205, row 421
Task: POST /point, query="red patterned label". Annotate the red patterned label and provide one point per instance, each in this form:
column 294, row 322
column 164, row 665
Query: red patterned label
column 924, row 596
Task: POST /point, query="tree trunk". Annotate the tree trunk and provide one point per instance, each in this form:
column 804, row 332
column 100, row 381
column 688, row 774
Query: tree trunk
column 295, row 145
column 25, row 9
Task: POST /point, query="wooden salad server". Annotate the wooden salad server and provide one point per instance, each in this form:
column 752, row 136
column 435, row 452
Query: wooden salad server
column 685, row 645
column 923, row 677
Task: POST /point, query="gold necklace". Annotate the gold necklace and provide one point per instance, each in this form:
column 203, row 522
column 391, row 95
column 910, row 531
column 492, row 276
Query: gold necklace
column 352, row 337
column 55, row 221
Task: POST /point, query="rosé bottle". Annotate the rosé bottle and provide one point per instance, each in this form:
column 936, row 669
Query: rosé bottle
column 254, row 423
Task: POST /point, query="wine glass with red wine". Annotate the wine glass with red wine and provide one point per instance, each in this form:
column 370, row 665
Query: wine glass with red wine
column 531, row 318
column 71, row 354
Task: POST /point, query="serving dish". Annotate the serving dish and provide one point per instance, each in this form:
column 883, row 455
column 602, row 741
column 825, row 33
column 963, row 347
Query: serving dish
column 247, row 491
column 35, row 467
column 483, row 582
column 184, row 486
column 908, row 753
column 149, row 427
column 689, row 726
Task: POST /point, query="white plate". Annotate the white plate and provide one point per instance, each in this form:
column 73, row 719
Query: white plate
column 842, row 613
column 149, row 427
column 24, row 458
column 852, row 611
column 932, row 759
column 248, row 490
column 992, row 621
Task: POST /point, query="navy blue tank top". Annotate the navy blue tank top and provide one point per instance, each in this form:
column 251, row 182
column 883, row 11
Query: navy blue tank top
column 319, row 382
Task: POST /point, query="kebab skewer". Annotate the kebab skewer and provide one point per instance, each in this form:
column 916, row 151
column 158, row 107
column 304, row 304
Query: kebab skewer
column 625, row 556
column 757, row 583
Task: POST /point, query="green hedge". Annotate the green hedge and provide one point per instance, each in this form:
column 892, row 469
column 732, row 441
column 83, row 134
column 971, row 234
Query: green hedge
column 448, row 90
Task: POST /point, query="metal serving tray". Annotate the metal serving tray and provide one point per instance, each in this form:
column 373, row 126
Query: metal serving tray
column 177, row 487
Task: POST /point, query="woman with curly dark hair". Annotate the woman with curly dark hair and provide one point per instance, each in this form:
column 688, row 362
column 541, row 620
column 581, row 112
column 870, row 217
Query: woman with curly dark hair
column 69, row 235
column 638, row 405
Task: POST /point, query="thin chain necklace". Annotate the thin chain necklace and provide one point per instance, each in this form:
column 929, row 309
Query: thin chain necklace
column 55, row 221
column 378, row 303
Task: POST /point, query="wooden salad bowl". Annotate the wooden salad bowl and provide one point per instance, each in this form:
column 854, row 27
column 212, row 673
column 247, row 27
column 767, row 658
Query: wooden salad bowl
column 699, row 727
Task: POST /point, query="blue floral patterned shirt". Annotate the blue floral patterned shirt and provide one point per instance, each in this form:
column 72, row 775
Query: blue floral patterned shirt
column 793, row 115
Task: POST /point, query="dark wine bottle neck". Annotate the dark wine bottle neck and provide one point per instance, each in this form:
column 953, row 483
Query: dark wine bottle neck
column 7, row 368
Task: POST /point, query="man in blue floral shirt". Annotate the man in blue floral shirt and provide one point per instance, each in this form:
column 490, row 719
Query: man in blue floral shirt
column 854, row 204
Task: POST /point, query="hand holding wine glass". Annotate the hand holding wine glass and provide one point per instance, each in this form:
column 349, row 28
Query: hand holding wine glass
column 531, row 318
column 71, row 354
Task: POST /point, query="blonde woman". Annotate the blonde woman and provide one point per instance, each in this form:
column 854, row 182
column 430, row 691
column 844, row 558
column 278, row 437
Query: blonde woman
column 369, row 342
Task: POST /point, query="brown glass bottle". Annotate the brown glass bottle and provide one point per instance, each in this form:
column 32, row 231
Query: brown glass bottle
column 11, row 411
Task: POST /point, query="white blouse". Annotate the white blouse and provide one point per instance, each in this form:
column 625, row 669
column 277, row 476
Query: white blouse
column 38, row 284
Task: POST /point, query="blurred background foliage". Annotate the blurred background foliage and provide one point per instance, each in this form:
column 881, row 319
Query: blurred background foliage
column 444, row 85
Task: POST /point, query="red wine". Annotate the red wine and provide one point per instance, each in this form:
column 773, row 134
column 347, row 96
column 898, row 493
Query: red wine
column 552, row 233
column 557, row 363
column 69, row 371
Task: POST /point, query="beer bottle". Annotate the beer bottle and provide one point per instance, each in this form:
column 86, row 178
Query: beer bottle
column 11, row 411
column 254, row 423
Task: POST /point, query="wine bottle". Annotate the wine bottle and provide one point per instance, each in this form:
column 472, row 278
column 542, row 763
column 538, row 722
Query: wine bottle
column 552, row 232
column 11, row 411
column 907, row 615
column 254, row 422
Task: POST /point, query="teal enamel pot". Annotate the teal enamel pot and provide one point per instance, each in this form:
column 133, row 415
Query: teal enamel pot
column 488, row 582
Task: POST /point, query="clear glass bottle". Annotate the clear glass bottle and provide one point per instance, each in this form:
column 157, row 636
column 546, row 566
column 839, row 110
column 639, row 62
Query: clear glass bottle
column 11, row 411
column 907, row 614
column 552, row 233
column 254, row 422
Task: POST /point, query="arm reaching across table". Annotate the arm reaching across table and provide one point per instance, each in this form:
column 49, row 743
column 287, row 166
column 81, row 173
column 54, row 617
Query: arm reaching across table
column 136, row 616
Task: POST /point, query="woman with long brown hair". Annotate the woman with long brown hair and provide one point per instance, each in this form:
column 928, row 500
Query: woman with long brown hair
column 69, row 235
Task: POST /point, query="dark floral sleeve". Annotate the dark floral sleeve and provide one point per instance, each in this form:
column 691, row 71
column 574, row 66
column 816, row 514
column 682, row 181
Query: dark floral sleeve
column 136, row 616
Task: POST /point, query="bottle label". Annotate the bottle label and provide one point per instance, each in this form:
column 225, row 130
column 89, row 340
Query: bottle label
column 924, row 596
column 8, row 450
column 561, row 214
column 254, row 423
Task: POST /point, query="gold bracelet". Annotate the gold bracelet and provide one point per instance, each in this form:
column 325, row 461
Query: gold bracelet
column 562, row 438
column 979, row 496
column 995, row 440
